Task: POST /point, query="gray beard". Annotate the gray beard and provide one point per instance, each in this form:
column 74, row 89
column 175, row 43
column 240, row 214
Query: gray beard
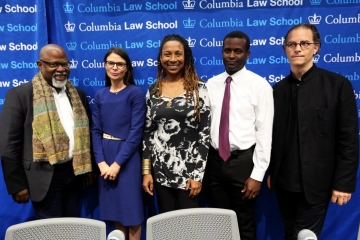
column 58, row 84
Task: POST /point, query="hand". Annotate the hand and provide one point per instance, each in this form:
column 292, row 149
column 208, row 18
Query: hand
column 268, row 181
column 148, row 184
column 194, row 186
column 104, row 168
column 251, row 189
column 90, row 179
column 113, row 171
column 340, row 197
column 22, row 196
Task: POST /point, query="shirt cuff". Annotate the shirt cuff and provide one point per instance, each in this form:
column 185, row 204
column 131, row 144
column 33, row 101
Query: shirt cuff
column 258, row 174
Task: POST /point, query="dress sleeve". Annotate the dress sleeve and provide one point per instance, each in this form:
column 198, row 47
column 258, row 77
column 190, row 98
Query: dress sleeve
column 133, row 140
column 86, row 105
column 203, row 133
column 150, row 128
column 97, row 130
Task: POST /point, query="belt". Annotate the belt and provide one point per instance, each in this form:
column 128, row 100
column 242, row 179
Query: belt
column 236, row 152
column 108, row 136
column 240, row 152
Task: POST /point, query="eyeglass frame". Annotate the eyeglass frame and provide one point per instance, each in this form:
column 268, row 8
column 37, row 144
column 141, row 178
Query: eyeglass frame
column 293, row 45
column 57, row 64
column 119, row 65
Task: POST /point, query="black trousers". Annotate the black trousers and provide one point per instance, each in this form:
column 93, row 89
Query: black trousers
column 62, row 198
column 170, row 199
column 226, row 180
column 298, row 214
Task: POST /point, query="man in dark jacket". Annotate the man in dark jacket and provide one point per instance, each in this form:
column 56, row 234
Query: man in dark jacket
column 45, row 139
column 314, row 155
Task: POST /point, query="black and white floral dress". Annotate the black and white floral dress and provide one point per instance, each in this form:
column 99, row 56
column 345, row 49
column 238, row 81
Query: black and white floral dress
column 175, row 141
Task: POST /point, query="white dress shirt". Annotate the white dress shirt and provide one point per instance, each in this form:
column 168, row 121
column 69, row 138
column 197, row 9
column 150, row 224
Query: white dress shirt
column 66, row 116
column 251, row 115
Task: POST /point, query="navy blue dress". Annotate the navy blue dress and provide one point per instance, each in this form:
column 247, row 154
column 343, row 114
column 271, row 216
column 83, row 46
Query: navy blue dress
column 121, row 115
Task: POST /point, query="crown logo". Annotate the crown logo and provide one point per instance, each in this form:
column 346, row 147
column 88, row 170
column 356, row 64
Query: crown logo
column 73, row 63
column 316, row 58
column 314, row 19
column 315, row 2
column 71, row 46
column 188, row 23
column 69, row 26
column 188, row 4
column 68, row 8
column 75, row 81
column 191, row 42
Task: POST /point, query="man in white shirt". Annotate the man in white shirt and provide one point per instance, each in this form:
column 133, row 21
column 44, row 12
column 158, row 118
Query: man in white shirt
column 239, row 153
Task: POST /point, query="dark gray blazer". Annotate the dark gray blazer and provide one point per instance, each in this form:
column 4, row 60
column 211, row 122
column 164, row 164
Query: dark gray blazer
column 20, row 172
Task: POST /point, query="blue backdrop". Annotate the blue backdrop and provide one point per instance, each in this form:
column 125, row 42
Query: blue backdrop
column 87, row 29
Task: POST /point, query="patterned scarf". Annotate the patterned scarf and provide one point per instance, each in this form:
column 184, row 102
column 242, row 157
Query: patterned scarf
column 50, row 141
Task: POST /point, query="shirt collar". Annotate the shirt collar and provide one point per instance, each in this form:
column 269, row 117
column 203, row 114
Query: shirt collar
column 236, row 77
column 62, row 90
column 305, row 76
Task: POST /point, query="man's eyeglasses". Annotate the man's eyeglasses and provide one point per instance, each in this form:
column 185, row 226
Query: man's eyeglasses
column 56, row 64
column 111, row 64
column 303, row 45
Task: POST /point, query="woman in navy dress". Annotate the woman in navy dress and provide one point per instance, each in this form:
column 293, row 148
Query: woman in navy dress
column 118, row 121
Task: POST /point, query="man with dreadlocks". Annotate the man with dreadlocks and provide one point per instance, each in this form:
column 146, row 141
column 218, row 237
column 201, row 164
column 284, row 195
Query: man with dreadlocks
column 176, row 138
column 242, row 112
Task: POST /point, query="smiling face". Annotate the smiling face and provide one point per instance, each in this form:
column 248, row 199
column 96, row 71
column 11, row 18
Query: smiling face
column 301, row 58
column 115, row 73
column 172, row 58
column 54, row 76
column 234, row 54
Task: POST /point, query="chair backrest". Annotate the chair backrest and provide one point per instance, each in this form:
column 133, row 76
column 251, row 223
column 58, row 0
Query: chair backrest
column 58, row 228
column 194, row 224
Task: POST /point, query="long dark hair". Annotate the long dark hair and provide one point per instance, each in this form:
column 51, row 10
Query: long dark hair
column 188, row 73
column 129, row 75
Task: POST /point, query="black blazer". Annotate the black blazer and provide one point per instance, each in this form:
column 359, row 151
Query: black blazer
column 20, row 172
column 328, row 133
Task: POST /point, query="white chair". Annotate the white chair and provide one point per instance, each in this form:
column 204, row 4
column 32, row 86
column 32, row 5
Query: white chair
column 194, row 224
column 58, row 228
